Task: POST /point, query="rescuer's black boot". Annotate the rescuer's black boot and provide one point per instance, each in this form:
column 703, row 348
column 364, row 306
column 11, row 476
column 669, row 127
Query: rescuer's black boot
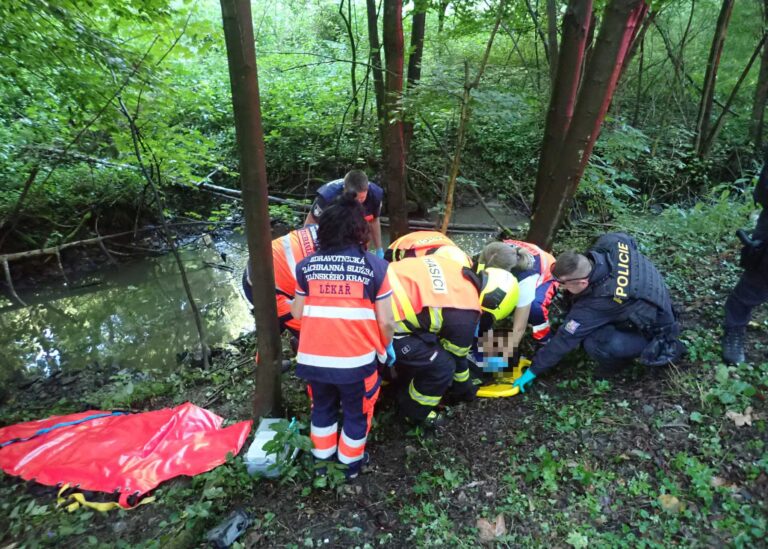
column 733, row 345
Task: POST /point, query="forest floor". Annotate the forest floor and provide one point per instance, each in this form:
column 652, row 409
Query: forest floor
column 673, row 457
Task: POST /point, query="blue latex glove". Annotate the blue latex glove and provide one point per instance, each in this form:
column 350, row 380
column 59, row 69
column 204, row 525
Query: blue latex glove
column 390, row 355
column 494, row 363
column 523, row 380
column 380, row 253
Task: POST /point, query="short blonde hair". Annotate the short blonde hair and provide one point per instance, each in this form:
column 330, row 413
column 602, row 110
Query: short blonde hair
column 507, row 257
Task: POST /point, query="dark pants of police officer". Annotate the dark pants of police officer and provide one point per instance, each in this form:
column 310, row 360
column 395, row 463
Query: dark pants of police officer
column 750, row 291
column 425, row 373
column 614, row 349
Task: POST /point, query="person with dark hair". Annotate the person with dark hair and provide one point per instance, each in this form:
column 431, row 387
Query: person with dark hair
column 369, row 194
column 343, row 302
column 752, row 288
column 620, row 310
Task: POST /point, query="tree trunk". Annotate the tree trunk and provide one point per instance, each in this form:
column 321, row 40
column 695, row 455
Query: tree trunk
column 441, row 9
column 464, row 121
column 347, row 18
column 639, row 92
column 710, row 79
column 375, row 61
column 552, row 39
column 394, row 139
column 637, row 42
column 152, row 183
column 576, row 23
column 418, row 26
column 537, row 27
column 243, row 75
column 761, row 94
column 453, row 173
column 710, row 139
column 619, row 26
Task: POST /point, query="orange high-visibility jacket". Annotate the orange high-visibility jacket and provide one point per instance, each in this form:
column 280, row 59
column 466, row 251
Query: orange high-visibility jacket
column 418, row 243
column 340, row 337
column 287, row 252
column 428, row 282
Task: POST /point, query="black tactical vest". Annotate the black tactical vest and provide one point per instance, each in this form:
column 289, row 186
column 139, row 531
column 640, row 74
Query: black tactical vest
column 631, row 275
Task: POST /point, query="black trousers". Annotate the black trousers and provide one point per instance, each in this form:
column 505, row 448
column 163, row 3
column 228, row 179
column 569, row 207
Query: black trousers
column 749, row 292
column 613, row 348
column 425, row 373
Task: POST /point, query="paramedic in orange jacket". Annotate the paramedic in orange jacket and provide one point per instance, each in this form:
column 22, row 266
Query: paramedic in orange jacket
column 437, row 305
column 531, row 267
column 343, row 301
column 287, row 251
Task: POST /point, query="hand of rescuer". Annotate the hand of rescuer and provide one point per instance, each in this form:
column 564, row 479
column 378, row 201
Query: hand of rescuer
column 523, row 380
column 494, row 363
column 380, row 253
column 390, row 354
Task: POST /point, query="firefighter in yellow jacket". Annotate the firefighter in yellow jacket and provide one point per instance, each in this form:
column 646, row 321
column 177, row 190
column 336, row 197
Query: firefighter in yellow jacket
column 437, row 305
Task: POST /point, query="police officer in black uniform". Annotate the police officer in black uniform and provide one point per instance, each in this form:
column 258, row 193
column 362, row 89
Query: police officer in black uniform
column 752, row 288
column 620, row 310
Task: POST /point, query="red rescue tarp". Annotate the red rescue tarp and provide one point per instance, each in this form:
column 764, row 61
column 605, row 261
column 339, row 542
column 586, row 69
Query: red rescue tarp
column 129, row 453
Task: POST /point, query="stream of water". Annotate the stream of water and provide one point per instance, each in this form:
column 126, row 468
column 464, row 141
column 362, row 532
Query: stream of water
column 137, row 315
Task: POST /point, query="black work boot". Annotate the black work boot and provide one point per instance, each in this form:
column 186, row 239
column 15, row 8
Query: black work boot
column 733, row 345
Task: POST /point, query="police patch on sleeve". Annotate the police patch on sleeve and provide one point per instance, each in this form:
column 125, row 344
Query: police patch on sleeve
column 571, row 326
column 317, row 211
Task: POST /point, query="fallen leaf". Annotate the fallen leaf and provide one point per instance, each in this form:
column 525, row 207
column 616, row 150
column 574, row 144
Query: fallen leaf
column 740, row 419
column 490, row 531
column 670, row 503
column 501, row 526
column 717, row 482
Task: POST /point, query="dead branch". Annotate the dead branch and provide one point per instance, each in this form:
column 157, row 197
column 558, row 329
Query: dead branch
column 52, row 250
column 137, row 141
column 13, row 216
column 464, row 121
column 9, row 281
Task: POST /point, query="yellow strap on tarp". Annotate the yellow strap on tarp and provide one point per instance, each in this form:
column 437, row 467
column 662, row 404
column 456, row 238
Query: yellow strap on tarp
column 76, row 500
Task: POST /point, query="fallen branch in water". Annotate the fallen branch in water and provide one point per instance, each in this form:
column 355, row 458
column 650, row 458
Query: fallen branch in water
column 9, row 281
column 52, row 250
column 298, row 206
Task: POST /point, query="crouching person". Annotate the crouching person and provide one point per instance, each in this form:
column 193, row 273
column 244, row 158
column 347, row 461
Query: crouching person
column 343, row 301
column 286, row 252
column 437, row 306
column 620, row 310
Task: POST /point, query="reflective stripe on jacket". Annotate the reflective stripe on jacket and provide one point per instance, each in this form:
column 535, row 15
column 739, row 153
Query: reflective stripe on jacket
column 339, row 330
column 287, row 252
